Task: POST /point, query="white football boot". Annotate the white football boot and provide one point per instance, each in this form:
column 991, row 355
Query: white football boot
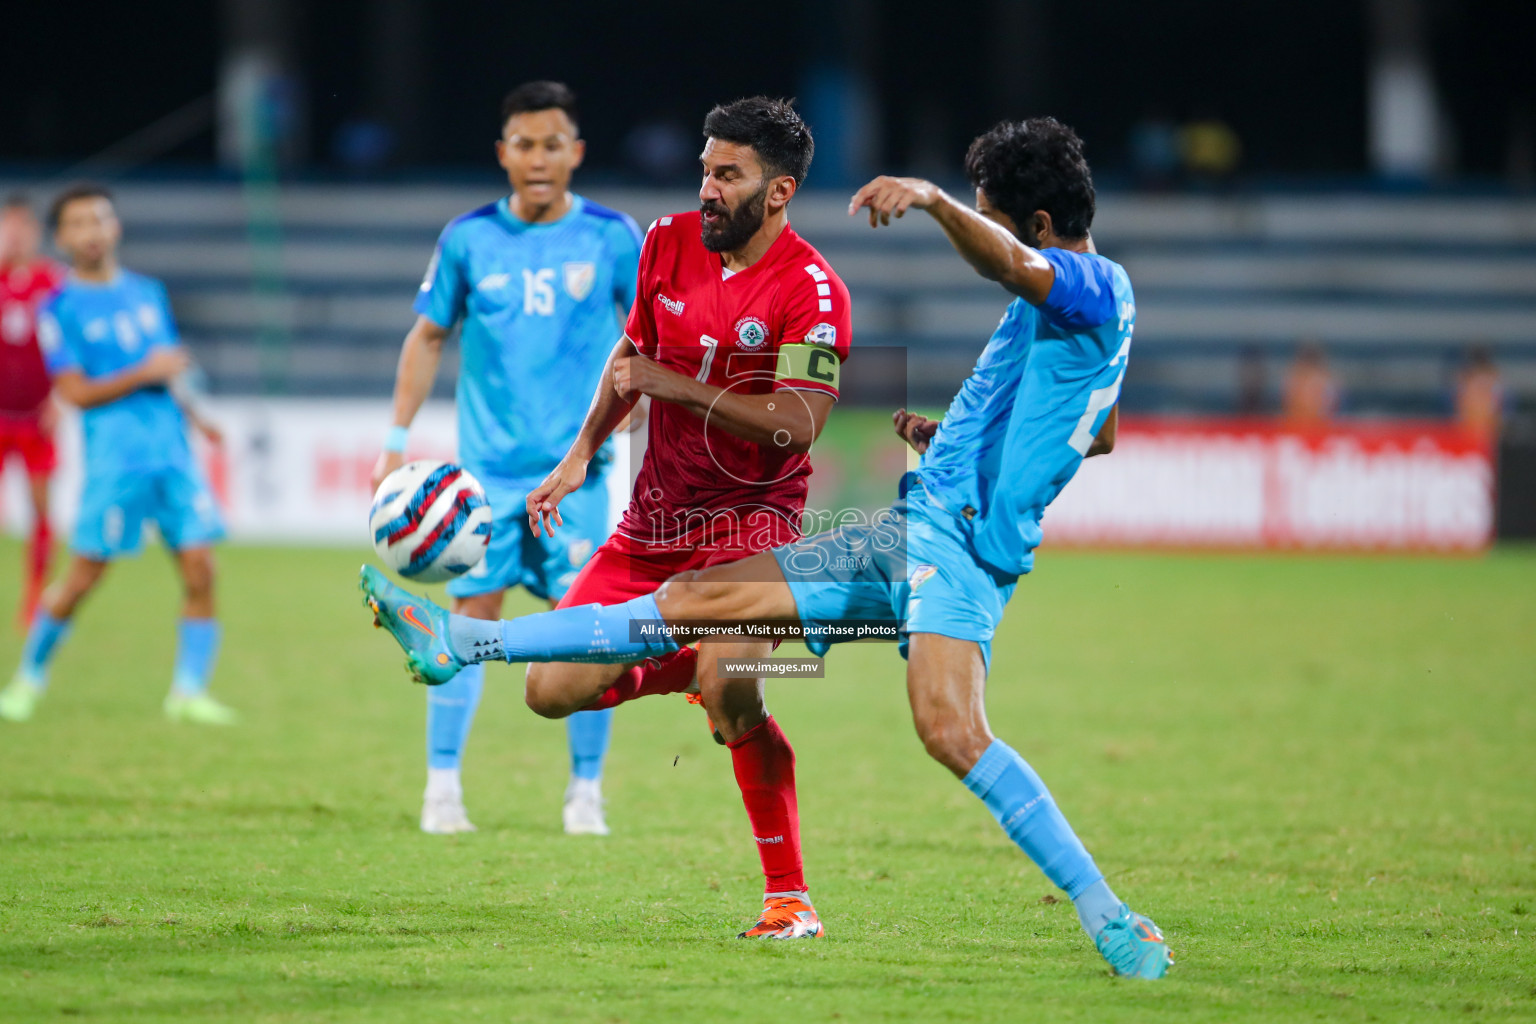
column 583, row 811
column 442, row 807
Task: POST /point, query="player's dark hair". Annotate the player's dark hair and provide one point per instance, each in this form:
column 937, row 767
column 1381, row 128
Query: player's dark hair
column 17, row 201
column 772, row 128
column 534, row 96
column 1024, row 166
column 81, row 190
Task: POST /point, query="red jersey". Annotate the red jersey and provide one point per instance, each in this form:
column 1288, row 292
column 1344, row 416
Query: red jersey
column 725, row 331
column 24, row 382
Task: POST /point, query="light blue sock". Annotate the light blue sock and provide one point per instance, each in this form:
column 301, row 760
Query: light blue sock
column 612, row 634
column 1020, row 802
column 197, row 645
column 1096, row 906
column 42, row 638
column 587, row 732
column 450, row 713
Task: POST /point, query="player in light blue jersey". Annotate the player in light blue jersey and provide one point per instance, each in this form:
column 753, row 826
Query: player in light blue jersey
column 538, row 284
column 111, row 346
column 941, row 564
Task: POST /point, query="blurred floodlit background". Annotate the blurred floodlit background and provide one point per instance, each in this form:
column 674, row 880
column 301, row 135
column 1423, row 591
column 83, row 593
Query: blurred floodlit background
column 1328, row 210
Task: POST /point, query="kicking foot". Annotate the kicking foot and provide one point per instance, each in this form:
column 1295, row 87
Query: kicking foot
column 582, row 814
column 198, row 709
column 418, row 625
column 444, row 815
column 1134, row 946
column 19, row 700
column 785, row 917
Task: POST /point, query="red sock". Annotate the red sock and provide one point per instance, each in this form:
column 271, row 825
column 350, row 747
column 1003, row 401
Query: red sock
column 39, row 554
column 765, row 771
column 670, row 673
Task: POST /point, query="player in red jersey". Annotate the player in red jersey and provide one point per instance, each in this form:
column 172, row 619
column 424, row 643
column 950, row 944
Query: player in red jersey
column 737, row 334
column 27, row 413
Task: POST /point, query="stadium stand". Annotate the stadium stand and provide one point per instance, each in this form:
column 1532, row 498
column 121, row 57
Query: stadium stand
column 317, row 302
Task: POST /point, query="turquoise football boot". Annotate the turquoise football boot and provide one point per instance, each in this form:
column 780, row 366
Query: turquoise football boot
column 1134, row 946
column 417, row 625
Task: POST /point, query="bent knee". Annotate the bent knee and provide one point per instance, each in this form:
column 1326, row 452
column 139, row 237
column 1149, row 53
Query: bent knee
column 542, row 694
column 198, row 577
column 693, row 595
column 955, row 744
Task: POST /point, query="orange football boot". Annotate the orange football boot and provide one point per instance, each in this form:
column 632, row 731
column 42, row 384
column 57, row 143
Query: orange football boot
column 785, row 917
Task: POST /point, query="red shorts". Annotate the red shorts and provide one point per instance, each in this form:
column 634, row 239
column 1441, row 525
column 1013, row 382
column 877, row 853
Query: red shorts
column 624, row 568
column 24, row 436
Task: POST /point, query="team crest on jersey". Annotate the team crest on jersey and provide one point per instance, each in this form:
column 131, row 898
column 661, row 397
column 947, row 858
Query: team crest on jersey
column 751, row 333
column 579, row 279
column 922, row 574
column 579, row 552
column 822, row 334
column 16, row 323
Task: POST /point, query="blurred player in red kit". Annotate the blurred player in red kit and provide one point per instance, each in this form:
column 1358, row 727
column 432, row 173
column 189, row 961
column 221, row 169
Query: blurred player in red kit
column 27, row 412
column 737, row 335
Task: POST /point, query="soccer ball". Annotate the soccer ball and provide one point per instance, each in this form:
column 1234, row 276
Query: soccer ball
column 430, row 521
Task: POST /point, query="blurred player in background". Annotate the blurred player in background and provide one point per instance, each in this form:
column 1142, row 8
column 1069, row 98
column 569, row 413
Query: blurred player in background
column 942, row 565
column 110, row 344
column 27, row 413
column 1480, row 397
column 538, row 281
column 1310, row 399
column 737, row 336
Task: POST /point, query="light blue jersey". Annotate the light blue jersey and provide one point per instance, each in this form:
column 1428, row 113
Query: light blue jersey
column 101, row 330
column 946, row 558
column 138, row 464
column 541, row 306
column 1023, row 420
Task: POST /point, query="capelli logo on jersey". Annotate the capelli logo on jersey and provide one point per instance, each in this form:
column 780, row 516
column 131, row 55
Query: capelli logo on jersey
column 494, row 282
column 672, row 305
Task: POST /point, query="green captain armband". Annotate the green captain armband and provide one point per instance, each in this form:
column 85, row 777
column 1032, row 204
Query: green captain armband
column 809, row 364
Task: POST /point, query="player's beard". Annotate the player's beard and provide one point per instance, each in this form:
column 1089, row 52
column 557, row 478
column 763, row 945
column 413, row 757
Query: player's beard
column 732, row 231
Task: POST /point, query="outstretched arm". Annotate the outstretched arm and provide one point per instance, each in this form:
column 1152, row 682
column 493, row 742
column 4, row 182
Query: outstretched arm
column 608, row 409
column 986, row 245
column 609, row 405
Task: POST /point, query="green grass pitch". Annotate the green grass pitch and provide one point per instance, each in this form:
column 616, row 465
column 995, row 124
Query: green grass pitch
column 1317, row 774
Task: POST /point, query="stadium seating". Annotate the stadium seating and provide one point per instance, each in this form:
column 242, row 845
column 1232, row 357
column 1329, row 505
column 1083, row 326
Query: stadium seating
column 316, row 300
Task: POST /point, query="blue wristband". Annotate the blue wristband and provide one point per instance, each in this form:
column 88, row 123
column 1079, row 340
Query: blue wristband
column 394, row 441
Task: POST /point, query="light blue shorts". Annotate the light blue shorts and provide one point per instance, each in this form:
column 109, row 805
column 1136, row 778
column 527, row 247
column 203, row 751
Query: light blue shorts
column 545, row 565
column 113, row 510
column 911, row 568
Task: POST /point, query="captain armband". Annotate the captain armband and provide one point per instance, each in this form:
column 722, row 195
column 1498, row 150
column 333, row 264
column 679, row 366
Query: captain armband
column 812, row 364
